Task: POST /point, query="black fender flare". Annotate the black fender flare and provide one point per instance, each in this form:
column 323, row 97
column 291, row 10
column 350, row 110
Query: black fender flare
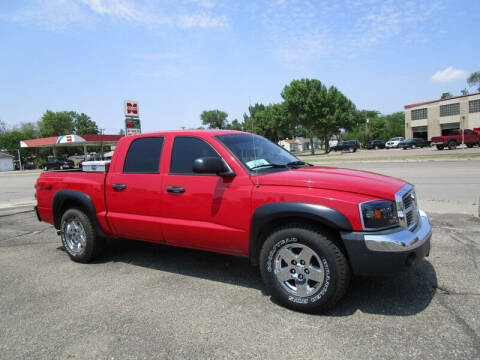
column 264, row 214
column 83, row 199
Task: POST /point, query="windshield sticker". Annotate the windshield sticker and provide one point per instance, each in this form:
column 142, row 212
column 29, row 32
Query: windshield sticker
column 256, row 163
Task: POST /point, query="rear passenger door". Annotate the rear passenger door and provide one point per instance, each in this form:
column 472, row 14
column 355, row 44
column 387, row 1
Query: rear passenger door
column 134, row 191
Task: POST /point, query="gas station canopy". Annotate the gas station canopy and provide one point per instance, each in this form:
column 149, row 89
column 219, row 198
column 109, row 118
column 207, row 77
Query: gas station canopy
column 72, row 140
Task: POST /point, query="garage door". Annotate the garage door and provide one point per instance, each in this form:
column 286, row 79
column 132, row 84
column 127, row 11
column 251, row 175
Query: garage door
column 420, row 132
column 446, row 128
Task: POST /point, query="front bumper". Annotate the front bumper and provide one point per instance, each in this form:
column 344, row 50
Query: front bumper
column 389, row 251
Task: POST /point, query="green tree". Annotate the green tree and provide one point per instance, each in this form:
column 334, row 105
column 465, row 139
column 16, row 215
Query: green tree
column 236, row 125
column 306, row 104
column 270, row 121
column 464, row 91
column 3, row 127
column 446, row 95
column 474, row 79
column 55, row 124
column 215, row 119
column 317, row 109
column 83, row 124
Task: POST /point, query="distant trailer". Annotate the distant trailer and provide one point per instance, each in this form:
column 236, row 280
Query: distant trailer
column 6, row 162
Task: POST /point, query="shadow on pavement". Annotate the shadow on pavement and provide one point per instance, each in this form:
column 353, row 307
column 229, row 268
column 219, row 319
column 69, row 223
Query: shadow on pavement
column 403, row 295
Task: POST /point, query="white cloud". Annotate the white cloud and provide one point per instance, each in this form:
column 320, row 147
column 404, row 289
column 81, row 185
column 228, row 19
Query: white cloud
column 449, row 74
column 203, row 21
column 52, row 14
column 60, row 14
column 207, row 4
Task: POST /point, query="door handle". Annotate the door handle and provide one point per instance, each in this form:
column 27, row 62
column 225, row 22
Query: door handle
column 119, row 187
column 175, row 189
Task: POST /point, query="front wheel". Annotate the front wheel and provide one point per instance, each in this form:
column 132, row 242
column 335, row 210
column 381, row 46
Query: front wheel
column 452, row 145
column 79, row 237
column 303, row 268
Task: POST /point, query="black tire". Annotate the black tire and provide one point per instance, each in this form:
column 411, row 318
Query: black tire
column 439, row 147
column 452, row 145
column 92, row 245
column 329, row 257
column 470, row 145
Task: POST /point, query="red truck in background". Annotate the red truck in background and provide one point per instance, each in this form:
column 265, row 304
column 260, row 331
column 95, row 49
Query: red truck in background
column 455, row 138
column 309, row 228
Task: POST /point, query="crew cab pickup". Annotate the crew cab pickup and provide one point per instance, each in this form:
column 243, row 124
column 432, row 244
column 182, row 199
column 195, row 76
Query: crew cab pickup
column 308, row 228
column 455, row 138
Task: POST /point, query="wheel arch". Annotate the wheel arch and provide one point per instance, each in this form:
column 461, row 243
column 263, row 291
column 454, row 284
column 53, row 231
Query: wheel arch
column 270, row 216
column 68, row 199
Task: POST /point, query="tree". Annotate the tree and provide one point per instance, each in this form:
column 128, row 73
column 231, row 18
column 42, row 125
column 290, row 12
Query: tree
column 83, row 124
column 317, row 109
column 215, row 119
column 474, row 79
column 270, row 121
column 55, row 124
column 3, row 128
column 446, row 95
column 66, row 122
column 464, row 91
column 236, row 125
column 306, row 101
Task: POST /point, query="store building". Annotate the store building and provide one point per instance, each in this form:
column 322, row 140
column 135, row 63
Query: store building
column 438, row 117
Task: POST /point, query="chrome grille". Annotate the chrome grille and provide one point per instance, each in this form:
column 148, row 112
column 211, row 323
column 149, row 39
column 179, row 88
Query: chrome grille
column 406, row 201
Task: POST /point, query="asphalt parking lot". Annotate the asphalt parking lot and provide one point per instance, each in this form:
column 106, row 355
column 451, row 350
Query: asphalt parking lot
column 150, row 301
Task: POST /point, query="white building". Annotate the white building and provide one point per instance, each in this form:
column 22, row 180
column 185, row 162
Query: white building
column 299, row 143
column 6, row 162
column 438, row 117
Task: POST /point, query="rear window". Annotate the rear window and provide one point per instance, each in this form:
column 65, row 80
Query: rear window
column 143, row 156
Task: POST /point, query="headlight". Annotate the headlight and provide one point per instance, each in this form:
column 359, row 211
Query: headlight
column 378, row 214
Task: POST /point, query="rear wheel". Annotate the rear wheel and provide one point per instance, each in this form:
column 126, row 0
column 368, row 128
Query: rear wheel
column 79, row 237
column 303, row 268
column 452, row 145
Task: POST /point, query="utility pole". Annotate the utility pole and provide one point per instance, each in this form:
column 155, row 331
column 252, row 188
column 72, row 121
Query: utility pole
column 19, row 159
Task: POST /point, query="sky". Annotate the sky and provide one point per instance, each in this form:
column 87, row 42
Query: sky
column 178, row 58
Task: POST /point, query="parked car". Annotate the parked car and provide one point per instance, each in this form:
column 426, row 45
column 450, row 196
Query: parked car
column 413, row 143
column 455, row 138
column 54, row 163
column 375, row 144
column 308, row 228
column 349, row 145
column 393, row 142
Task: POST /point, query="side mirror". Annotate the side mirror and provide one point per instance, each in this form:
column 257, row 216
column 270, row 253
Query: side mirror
column 211, row 165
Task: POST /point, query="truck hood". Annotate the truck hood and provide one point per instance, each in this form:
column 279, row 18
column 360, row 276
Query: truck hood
column 330, row 178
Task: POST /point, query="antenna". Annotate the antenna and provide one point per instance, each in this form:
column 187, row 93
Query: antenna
column 253, row 141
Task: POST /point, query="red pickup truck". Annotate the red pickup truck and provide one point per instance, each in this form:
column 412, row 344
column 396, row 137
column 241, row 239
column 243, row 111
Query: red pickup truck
column 309, row 228
column 455, row 138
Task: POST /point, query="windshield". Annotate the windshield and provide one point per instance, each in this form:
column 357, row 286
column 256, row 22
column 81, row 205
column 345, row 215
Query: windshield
column 258, row 153
column 396, row 139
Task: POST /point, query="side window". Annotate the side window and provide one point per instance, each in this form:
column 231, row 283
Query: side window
column 143, row 156
column 185, row 150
